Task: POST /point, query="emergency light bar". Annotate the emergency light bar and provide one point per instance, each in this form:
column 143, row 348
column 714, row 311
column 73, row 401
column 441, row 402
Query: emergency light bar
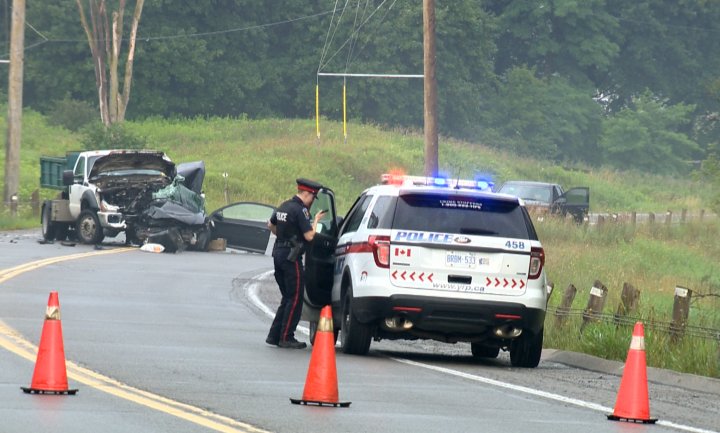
column 400, row 180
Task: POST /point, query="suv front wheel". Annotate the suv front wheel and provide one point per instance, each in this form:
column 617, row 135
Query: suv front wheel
column 355, row 335
column 525, row 350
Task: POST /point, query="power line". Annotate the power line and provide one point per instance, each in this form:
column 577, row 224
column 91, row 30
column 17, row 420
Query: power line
column 352, row 35
column 328, row 39
column 203, row 34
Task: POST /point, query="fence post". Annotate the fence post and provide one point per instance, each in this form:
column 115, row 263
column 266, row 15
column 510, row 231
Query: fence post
column 565, row 304
column 13, row 205
column 683, row 216
column 628, row 302
column 681, row 311
column 651, row 218
column 596, row 303
column 600, row 220
column 633, row 218
column 668, row 217
column 702, row 214
column 35, row 203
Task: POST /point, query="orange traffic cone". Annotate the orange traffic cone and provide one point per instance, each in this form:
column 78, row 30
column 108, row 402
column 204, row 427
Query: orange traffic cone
column 632, row 402
column 50, row 376
column 321, row 387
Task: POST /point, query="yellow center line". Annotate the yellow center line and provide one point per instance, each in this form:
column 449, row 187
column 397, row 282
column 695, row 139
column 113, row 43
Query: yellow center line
column 13, row 341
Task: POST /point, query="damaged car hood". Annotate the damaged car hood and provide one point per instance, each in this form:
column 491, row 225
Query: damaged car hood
column 149, row 162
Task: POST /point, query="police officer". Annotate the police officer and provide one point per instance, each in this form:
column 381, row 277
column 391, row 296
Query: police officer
column 292, row 225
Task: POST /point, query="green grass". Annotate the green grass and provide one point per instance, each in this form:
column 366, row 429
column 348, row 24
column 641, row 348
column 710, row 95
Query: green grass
column 655, row 259
column 263, row 157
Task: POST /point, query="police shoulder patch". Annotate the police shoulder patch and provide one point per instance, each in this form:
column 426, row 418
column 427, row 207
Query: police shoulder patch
column 306, row 213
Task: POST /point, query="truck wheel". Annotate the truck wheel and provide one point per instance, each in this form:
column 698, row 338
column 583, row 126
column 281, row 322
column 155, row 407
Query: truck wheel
column 356, row 336
column 525, row 350
column 61, row 231
column 202, row 237
column 49, row 227
column 88, row 228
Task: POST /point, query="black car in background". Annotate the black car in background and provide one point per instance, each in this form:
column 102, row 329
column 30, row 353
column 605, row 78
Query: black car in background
column 542, row 197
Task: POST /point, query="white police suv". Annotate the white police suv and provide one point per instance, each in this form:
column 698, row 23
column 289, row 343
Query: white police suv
column 432, row 258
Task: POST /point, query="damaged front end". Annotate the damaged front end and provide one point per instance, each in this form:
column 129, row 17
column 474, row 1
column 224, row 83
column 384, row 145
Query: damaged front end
column 174, row 216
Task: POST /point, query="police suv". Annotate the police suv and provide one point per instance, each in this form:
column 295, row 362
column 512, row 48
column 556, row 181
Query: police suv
column 433, row 258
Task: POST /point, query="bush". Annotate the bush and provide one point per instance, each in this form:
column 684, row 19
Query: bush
column 116, row 136
column 72, row 114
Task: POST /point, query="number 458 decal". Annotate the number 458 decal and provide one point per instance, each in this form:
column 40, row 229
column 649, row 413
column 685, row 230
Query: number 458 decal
column 515, row 245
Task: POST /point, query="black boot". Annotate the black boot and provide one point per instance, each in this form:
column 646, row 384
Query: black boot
column 292, row 343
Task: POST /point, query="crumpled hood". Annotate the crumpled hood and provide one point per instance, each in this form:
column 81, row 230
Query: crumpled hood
column 133, row 160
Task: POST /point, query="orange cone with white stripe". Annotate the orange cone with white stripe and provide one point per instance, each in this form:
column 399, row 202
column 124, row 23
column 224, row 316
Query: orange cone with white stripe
column 321, row 386
column 632, row 403
column 50, row 375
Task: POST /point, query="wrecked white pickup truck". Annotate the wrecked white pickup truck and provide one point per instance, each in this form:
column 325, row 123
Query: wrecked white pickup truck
column 139, row 192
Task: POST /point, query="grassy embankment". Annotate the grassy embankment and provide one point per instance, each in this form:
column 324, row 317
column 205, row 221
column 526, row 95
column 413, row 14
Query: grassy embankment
column 263, row 157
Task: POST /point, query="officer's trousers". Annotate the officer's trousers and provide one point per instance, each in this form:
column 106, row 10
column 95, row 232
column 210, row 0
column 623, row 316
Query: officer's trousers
column 290, row 277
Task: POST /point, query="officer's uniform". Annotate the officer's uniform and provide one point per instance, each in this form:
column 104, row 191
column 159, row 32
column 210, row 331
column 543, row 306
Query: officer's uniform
column 292, row 221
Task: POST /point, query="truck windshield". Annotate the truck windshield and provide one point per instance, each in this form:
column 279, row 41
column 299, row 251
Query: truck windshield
column 465, row 215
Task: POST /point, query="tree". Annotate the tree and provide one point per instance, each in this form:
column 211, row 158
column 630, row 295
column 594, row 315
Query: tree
column 105, row 45
column 649, row 136
column 542, row 116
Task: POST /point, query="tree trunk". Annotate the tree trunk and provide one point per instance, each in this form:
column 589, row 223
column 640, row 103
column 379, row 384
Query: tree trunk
column 106, row 59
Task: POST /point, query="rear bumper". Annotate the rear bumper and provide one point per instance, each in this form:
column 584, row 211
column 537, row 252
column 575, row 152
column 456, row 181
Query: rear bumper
column 462, row 319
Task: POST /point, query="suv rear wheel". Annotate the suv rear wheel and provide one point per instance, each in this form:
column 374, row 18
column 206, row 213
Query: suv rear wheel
column 525, row 350
column 355, row 335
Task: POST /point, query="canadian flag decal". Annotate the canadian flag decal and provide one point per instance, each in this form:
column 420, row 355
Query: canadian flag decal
column 402, row 252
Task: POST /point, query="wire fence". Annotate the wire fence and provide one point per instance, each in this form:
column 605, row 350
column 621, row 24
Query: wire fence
column 21, row 206
column 671, row 328
column 667, row 217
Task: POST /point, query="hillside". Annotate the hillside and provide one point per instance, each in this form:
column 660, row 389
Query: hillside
column 263, row 157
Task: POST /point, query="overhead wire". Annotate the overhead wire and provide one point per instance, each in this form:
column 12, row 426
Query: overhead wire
column 377, row 24
column 327, row 36
column 354, row 42
column 140, row 37
column 353, row 34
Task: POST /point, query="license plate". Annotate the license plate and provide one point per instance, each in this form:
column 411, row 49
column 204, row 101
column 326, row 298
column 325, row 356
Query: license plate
column 461, row 260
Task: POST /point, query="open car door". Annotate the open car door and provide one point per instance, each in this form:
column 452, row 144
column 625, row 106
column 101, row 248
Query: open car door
column 576, row 202
column 244, row 226
column 320, row 253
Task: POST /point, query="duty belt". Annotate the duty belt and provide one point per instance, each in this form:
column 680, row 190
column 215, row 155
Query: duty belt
column 283, row 244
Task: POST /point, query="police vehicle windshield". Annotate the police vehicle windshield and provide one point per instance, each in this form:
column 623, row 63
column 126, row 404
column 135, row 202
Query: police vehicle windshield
column 465, row 215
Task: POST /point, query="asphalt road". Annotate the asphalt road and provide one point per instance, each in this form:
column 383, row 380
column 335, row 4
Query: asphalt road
column 175, row 342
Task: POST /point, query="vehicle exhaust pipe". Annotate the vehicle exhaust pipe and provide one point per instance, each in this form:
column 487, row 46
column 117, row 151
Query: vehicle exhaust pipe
column 398, row 323
column 507, row 331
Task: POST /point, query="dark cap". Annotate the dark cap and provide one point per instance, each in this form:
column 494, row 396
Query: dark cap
column 308, row 185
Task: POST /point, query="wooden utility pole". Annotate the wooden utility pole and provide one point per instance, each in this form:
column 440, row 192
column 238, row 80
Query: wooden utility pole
column 15, row 89
column 430, row 89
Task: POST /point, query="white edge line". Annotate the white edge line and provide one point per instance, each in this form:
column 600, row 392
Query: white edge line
column 253, row 288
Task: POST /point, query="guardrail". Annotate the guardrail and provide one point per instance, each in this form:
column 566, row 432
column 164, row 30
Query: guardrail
column 667, row 217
